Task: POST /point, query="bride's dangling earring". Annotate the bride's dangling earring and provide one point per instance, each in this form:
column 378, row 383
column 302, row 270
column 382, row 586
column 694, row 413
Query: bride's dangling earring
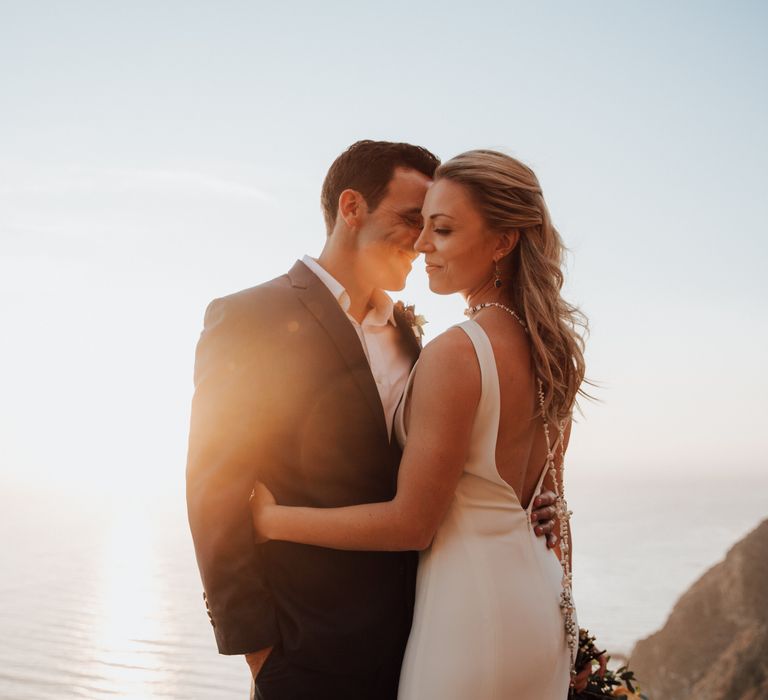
column 496, row 275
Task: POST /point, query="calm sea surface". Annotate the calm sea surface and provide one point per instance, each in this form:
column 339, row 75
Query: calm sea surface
column 104, row 600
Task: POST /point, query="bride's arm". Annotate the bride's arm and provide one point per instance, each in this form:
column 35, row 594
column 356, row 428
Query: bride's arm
column 446, row 393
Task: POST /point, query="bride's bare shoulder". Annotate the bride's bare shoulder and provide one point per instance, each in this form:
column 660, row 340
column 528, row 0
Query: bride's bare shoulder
column 453, row 340
column 447, row 381
column 452, row 354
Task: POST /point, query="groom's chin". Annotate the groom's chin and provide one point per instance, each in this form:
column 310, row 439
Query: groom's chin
column 398, row 287
column 396, row 283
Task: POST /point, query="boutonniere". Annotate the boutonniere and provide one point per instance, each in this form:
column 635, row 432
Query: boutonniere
column 414, row 320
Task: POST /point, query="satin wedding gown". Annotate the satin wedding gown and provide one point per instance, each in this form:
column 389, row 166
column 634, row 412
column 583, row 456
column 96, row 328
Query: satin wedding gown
column 487, row 623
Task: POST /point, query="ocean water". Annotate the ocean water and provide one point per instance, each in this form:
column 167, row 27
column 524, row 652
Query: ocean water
column 100, row 598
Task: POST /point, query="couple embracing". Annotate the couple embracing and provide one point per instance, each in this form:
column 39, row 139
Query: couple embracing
column 376, row 521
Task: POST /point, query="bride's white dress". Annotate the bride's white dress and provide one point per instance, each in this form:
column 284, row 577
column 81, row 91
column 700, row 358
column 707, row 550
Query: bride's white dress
column 487, row 623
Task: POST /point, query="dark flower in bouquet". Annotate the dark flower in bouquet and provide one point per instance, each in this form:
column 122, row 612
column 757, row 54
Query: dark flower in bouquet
column 593, row 683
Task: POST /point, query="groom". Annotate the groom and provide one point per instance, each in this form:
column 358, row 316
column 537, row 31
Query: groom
column 296, row 385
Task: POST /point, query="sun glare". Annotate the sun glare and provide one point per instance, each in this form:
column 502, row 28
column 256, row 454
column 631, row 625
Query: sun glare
column 128, row 644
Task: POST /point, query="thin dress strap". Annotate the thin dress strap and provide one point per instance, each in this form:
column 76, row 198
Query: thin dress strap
column 489, row 409
column 489, row 375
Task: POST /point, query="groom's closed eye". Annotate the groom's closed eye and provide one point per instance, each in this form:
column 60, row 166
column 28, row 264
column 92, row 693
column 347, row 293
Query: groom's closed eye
column 412, row 220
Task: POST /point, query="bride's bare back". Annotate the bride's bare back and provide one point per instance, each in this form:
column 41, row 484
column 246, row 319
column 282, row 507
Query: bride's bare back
column 521, row 447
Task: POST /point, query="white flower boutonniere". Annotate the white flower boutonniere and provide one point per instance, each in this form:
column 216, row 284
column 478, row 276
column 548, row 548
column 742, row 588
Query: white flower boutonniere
column 414, row 320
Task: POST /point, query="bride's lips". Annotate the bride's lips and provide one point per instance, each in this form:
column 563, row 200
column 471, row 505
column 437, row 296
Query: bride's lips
column 431, row 267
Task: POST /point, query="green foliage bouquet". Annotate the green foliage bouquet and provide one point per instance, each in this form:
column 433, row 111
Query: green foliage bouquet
column 602, row 682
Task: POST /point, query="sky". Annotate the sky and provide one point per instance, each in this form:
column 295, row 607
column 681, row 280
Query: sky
column 158, row 155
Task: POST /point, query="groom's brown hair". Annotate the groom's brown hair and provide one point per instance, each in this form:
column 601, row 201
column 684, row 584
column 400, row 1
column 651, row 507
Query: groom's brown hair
column 367, row 167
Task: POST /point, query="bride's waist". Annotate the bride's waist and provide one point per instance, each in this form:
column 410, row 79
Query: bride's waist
column 478, row 493
column 484, row 519
column 503, row 535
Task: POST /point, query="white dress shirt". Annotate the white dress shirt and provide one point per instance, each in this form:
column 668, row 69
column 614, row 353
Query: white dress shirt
column 380, row 339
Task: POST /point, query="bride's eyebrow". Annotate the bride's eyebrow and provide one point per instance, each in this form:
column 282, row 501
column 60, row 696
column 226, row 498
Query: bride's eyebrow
column 433, row 216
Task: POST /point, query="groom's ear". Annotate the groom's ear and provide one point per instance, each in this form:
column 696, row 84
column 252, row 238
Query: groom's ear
column 352, row 208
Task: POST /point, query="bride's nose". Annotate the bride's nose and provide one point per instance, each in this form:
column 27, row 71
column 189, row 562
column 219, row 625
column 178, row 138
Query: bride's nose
column 423, row 243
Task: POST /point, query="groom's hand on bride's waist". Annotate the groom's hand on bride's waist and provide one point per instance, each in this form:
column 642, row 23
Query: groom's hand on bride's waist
column 542, row 516
column 256, row 659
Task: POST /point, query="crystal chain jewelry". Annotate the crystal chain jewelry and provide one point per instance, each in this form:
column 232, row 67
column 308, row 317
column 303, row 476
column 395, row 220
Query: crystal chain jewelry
column 563, row 515
column 561, row 507
column 472, row 310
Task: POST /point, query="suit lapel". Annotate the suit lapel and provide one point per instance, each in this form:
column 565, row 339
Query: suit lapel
column 321, row 304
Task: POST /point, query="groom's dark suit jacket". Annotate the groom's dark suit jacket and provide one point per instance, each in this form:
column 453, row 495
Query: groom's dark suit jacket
column 284, row 394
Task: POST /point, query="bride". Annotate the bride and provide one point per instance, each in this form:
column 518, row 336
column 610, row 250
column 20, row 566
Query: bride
column 485, row 421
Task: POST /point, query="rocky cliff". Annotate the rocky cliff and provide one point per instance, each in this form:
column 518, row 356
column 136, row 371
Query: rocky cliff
column 714, row 645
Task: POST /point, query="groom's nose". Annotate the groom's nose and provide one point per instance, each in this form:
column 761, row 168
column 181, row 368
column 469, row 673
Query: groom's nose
column 415, row 233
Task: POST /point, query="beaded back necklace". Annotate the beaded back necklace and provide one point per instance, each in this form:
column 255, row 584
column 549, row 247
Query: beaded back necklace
column 567, row 606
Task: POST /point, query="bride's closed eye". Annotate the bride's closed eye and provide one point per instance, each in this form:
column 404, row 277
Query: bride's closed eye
column 440, row 231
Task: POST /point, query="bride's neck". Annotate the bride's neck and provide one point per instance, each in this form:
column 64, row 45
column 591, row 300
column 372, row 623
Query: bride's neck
column 485, row 294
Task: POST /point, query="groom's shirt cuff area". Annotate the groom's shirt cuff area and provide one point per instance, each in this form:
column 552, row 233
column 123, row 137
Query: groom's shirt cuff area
column 248, row 632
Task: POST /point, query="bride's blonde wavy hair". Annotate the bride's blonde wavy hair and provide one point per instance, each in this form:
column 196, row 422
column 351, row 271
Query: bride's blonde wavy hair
column 509, row 197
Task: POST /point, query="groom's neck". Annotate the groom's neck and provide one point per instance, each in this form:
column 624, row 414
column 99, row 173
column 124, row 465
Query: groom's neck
column 345, row 268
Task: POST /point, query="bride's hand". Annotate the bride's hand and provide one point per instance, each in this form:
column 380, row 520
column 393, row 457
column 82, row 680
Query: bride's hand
column 261, row 501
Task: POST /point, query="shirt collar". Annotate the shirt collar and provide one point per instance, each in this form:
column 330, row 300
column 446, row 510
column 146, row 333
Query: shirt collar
column 383, row 306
